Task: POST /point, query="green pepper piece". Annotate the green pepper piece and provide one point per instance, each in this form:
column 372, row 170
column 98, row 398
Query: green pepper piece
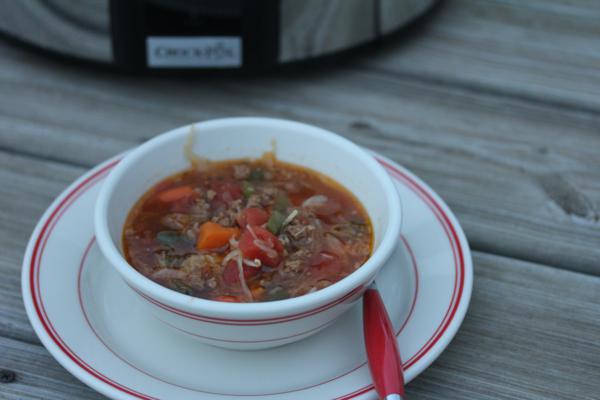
column 168, row 238
column 247, row 189
column 275, row 222
column 281, row 203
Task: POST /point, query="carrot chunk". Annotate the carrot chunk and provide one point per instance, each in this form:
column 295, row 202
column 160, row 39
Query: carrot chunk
column 175, row 194
column 227, row 299
column 257, row 292
column 212, row 235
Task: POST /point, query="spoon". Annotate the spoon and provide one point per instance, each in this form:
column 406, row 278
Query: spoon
column 384, row 359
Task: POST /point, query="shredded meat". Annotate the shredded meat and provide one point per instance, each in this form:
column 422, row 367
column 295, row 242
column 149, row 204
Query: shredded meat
column 253, row 201
column 296, row 260
column 227, row 216
column 349, row 231
column 164, row 261
column 358, row 249
column 264, row 196
column 296, row 231
column 304, row 230
column 197, row 262
column 175, row 221
column 200, row 211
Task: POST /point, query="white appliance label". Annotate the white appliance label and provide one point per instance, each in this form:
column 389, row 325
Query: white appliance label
column 193, row 51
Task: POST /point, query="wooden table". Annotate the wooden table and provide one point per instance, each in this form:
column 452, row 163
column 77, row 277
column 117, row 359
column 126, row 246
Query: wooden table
column 495, row 103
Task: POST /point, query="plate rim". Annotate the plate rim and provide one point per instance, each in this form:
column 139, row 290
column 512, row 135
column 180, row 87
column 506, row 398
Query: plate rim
column 106, row 386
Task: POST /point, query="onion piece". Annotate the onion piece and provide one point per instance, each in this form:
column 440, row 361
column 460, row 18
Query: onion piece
column 334, row 245
column 243, row 284
column 251, row 230
column 256, row 263
column 168, row 273
column 270, row 252
column 230, row 256
column 289, row 219
column 316, row 200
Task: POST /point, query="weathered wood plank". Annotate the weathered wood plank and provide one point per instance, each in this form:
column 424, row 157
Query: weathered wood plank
column 77, row 27
column 38, row 375
column 531, row 333
column 523, row 178
column 495, row 103
column 544, row 51
column 27, row 188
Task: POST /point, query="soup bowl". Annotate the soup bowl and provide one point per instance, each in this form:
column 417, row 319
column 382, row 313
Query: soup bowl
column 248, row 326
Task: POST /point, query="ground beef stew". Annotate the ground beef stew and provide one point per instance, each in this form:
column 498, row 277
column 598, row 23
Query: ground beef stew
column 247, row 231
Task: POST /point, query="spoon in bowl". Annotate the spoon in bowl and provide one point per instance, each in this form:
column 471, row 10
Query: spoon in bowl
column 384, row 359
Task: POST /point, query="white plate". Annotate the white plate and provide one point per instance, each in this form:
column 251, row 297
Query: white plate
column 90, row 322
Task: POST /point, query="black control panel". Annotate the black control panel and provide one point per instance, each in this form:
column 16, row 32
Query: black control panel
column 179, row 34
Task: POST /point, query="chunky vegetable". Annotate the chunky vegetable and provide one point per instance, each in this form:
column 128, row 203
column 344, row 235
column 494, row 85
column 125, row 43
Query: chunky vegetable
column 227, row 299
column 258, row 243
column 253, row 216
column 275, row 222
column 213, row 235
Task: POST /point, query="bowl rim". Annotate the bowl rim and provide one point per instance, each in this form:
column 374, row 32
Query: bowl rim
column 244, row 311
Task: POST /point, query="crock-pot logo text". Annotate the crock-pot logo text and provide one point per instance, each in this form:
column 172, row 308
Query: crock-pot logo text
column 194, row 52
column 217, row 52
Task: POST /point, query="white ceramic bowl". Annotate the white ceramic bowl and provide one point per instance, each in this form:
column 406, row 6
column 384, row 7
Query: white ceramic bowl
column 249, row 325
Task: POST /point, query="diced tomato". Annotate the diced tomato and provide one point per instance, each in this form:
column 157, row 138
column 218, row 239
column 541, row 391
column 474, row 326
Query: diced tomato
column 252, row 251
column 227, row 299
column 227, row 191
column 231, row 275
column 253, row 216
column 249, row 272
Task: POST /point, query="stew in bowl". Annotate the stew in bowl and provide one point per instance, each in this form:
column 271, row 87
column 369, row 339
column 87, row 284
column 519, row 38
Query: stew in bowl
column 243, row 250
column 247, row 231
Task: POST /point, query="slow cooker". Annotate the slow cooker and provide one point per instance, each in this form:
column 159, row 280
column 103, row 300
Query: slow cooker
column 198, row 34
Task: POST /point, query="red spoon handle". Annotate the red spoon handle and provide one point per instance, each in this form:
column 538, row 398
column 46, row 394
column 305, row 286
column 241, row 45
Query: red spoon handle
column 382, row 350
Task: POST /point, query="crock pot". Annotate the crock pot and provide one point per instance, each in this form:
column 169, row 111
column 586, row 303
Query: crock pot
column 198, row 34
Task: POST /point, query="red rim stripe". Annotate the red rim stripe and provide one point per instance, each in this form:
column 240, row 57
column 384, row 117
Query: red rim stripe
column 249, row 322
column 455, row 244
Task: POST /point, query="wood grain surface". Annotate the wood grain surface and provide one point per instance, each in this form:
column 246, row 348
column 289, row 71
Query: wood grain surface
column 520, row 340
column 494, row 103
